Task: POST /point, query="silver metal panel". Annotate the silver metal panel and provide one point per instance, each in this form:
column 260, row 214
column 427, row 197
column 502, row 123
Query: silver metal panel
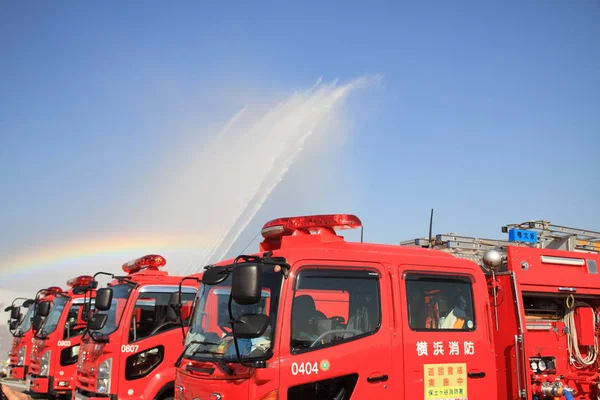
column 81, row 300
column 166, row 289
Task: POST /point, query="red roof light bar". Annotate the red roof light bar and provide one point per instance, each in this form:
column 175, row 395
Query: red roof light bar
column 309, row 223
column 51, row 290
column 150, row 261
column 83, row 280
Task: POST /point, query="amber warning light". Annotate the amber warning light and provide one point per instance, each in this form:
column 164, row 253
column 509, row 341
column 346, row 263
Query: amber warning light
column 83, row 280
column 310, row 223
column 152, row 261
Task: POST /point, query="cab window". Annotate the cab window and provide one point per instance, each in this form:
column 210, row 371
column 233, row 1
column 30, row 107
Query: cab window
column 153, row 314
column 75, row 325
column 333, row 306
column 439, row 303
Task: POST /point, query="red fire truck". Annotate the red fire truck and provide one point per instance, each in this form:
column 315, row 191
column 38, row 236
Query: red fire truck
column 58, row 325
column 20, row 329
column 516, row 319
column 134, row 336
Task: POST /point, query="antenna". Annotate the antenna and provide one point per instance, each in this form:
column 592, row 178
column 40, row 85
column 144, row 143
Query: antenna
column 430, row 227
column 249, row 243
column 361, row 233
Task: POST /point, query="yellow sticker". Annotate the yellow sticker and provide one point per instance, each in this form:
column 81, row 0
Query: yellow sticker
column 445, row 381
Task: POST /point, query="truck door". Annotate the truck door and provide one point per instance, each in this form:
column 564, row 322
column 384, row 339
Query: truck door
column 153, row 342
column 336, row 338
column 448, row 351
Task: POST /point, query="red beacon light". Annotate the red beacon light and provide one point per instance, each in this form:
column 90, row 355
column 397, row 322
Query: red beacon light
column 151, row 261
column 52, row 290
column 311, row 223
column 83, row 280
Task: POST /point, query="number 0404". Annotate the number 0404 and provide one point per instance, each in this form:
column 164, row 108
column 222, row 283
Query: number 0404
column 305, row 368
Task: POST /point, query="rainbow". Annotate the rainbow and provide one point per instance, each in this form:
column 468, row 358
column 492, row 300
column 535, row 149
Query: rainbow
column 54, row 257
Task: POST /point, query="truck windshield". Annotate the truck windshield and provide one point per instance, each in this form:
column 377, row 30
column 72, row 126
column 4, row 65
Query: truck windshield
column 51, row 321
column 25, row 324
column 75, row 325
column 121, row 293
column 210, row 331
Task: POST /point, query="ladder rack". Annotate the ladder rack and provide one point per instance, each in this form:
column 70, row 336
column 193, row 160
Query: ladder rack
column 466, row 247
column 560, row 237
column 546, row 236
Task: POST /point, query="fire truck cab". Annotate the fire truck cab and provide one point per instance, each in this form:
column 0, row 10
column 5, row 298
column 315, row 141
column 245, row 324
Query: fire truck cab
column 357, row 320
column 345, row 320
column 134, row 336
column 20, row 328
column 58, row 325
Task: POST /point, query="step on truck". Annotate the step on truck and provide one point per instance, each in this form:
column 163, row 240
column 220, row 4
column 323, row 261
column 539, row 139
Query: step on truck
column 134, row 337
column 20, row 328
column 58, row 325
column 449, row 319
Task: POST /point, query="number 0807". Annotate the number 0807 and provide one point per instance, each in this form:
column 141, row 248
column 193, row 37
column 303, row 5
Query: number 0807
column 129, row 348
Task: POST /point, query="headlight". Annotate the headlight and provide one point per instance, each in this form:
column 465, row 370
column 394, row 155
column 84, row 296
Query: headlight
column 103, row 377
column 45, row 363
column 21, row 356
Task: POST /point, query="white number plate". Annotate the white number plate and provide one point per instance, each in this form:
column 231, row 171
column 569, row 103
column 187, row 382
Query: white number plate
column 129, row 348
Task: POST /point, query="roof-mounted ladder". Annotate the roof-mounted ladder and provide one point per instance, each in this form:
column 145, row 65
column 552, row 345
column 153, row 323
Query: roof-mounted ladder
column 466, row 247
column 548, row 236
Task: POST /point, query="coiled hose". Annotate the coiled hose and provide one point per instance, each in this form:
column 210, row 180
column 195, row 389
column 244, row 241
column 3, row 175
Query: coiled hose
column 577, row 360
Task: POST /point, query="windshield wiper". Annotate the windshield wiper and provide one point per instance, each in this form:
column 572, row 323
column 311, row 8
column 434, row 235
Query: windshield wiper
column 187, row 346
column 224, row 367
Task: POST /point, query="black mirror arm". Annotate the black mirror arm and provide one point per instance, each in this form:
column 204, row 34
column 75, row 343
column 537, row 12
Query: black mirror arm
column 178, row 309
column 17, row 298
column 235, row 341
column 281, row 261
column 127, row 280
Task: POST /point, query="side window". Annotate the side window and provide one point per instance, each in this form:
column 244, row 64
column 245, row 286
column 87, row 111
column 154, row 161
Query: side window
column 153, row 315
column 75, row 325
column 333, row 306
column 439, row 303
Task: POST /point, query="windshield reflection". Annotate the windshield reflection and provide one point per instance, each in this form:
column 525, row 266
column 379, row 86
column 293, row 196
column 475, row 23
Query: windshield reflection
column 25, row 324
column 51, row 321
column 121, row 293
column 209, row 334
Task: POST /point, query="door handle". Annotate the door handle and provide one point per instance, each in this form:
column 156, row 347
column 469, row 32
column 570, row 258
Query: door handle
column 374, row 379
column 476, row 374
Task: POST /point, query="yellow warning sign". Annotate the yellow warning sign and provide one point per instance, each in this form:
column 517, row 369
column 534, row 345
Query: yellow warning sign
column 445, row 381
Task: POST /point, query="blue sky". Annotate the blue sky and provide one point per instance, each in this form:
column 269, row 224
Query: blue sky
column 486, row 112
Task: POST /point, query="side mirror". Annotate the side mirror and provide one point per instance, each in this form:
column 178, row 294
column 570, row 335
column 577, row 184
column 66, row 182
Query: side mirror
column 174, row 309
column 27, row 303
column 85, row 312
column 13, row 325
column 175, row 301
column 214, row 276
column 250, row 326
column 15, row 312
column 246, row 284
column 104, row 299
column 37, row 323
column 43, row 309
column 79, row 289
column 97, row 322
